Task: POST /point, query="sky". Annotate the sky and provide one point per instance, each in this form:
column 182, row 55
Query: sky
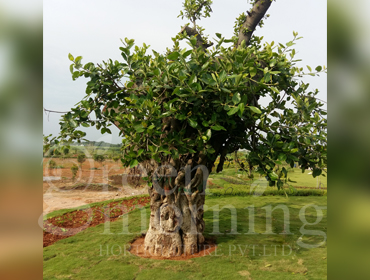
column 93, row 29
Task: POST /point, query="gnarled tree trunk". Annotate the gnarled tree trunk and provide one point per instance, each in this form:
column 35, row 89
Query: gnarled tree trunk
column 176, row 220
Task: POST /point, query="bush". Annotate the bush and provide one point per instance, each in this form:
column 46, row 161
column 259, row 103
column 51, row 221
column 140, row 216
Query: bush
column 99, row 158
column 74, row 169
column 81, row 158
column 52, row 164
column 65, row 151
column 116, row 158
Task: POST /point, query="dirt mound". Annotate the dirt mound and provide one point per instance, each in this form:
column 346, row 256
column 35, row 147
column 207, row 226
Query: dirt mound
column 137, row 249
column 90, row 187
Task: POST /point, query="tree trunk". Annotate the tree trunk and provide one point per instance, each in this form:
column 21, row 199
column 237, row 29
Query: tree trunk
column 176, row 220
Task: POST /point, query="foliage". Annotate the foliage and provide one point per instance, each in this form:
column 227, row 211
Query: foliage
column 81, row 158
column 74, row 169
column 99, row 158
column 193, row 102
column 65, row 151
column 116, row 158
column 52, row 164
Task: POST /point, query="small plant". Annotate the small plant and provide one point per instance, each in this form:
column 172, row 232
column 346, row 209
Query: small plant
column 116, row 158
column 74, row 169
column 52, row 164
column 65, row 151
column 81, row 158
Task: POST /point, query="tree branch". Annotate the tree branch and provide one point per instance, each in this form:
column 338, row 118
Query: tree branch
column 193, row 32
column 258, row 11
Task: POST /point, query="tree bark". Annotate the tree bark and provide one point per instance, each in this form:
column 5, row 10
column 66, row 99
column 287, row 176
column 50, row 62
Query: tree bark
column 193, row 32
column 176, row 220
column 254, row 16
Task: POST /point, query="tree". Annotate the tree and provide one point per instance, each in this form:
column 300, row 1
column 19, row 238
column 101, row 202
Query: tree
column 99, row 158
column 74, row 169
column 65, row 151
column 81, row 159
column 116, row 158
column 180, row 110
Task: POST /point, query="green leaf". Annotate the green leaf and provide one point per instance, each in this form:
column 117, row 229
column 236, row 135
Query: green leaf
column 267, row 77
column 139, row 152
column 255, row 110
column 218, row 127
column 252, row 71
column 233, row 111
column 173, row 56
column 273, row 176
column 236, row 98
column 309, row 68
column 275, row 90
column 193, row 123
column 193, row 41
column 318, row 68
column 316, row 172
column 187, row 53
column 219, row 35
column 133, row 163
column 282, row 157
column 209, row 134
column 241, row 108
column 222, row 76
column 157, row 72
column 205, row 123
column 71, row 58
column 138, row 127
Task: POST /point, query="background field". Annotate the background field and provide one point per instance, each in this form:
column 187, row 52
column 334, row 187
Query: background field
column 91, row 254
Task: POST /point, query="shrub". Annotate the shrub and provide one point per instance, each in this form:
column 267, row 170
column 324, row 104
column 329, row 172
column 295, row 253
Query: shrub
column 74, row 169
column 52, row 164
column 99, row 158
column 81, row 159
column 116, row 158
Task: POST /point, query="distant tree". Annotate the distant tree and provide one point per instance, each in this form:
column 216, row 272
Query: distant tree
column 56, row 152
column 81, row 159
column 65, row 150
column 74, row 169
column 116, row 158
column 52, row 164
column 99, row 158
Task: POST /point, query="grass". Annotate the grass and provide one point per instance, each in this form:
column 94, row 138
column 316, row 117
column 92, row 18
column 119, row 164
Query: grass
column 85, row 255
column 233, row 182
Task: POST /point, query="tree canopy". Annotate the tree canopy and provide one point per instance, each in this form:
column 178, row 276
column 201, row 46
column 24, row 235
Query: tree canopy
column 204, row 101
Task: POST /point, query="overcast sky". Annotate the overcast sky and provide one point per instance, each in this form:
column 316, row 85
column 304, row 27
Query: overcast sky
column 93, row 29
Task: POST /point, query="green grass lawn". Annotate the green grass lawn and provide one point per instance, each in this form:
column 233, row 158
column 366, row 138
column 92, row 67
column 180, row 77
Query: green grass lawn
column 94, row 255
column 233, row 182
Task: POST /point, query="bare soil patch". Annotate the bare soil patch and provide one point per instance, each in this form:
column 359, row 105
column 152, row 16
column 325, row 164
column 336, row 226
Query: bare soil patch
column 71, row 223
column 89, row 185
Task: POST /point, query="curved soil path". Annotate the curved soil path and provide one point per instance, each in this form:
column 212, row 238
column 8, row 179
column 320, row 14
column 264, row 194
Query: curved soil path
column 71, row 223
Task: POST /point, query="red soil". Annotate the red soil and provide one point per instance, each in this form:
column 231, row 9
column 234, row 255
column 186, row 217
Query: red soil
column 69, row 224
